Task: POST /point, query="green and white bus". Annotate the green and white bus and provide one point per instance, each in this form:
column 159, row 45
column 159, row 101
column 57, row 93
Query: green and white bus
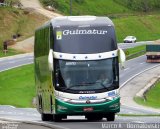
column 77, row 69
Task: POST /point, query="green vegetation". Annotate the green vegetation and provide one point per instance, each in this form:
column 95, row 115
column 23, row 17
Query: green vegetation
column 17, row 86
column 103, row 7
column 131, row 17
column 135, row 51
column 152, row 97
column 144, row 27
column 85, row 7
column 10, row 52
column 140, row 5
column 16, row 21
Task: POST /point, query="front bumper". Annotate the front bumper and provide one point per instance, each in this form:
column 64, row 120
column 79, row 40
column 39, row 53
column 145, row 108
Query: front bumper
column 78, row 109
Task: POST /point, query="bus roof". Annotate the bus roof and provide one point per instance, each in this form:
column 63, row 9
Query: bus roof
column 81, row 21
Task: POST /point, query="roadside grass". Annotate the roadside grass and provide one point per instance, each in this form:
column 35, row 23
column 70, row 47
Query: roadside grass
column 17, row 21
column 152, row 97
column 10, row 52
column 144, row 27
column 87, row 7
column 17, row 86
column 135, row 52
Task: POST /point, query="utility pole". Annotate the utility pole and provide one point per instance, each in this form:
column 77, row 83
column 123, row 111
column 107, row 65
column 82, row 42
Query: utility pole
column 71, row 7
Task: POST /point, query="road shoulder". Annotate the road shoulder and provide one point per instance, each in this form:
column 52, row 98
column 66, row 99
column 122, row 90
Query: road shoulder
column 131, row 88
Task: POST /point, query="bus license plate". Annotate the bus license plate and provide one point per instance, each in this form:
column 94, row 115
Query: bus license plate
column 88, row 109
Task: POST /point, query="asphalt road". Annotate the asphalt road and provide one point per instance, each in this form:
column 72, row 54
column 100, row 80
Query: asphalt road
column 19, row 125
column 132, row 68
column 131, row 45
column 8, row 63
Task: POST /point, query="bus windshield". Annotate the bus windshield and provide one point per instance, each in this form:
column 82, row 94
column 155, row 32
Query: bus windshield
column 86, row 75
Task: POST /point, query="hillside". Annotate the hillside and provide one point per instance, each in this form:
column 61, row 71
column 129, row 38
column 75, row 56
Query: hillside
column 103, row 7
column 131, row 17
column 87, row 7
column 15, row 21
column 144, row 27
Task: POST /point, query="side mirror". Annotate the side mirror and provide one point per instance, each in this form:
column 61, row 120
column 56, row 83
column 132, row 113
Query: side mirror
column 122, row 57
column 50, row 60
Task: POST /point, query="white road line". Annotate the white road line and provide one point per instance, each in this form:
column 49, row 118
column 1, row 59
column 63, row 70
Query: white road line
column 126, row 69
column 138, row 74
column 140, row 108
column 10, row 106
column 30, row 58
column 138, row 122
column 142, row 63
column 15, row 66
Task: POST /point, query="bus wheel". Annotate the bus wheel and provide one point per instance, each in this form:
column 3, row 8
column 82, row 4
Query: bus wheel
column 110, row 117
column 57, row 118
column 46, row 117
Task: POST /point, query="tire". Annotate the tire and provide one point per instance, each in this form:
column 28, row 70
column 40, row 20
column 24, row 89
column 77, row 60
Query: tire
column 57, row 118
column 110, row 117
column 46, row 117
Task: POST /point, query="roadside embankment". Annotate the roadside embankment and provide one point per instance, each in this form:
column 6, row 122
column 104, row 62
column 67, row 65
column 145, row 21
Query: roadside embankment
column 33, row 6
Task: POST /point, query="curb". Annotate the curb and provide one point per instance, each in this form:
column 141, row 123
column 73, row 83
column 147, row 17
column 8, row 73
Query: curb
column 144, row 90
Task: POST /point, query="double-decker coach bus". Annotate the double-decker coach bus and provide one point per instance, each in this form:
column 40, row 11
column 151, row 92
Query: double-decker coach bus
column 77, row 69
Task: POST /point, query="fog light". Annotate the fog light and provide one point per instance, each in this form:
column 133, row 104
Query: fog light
column 61, row 107
column 114, row 105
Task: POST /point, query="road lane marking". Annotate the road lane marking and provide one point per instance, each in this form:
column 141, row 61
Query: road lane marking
column 142, row 63
column 140, row 122
column 121, row 86
column 126, row 69
column 15, row 66
column 141, row 109
column 30, row 58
